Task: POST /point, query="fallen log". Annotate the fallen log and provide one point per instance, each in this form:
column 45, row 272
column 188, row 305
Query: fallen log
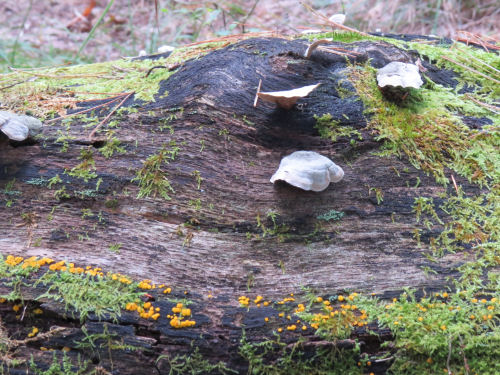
column 175, row 189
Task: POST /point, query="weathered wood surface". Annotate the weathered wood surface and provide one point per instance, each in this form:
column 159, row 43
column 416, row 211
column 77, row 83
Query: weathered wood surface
column 236, row 148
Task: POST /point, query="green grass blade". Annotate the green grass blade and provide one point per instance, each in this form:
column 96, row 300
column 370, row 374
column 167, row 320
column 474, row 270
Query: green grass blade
column 91, row 33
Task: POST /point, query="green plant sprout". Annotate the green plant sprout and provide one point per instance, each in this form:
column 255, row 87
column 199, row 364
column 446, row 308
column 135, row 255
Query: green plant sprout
column 152, row 178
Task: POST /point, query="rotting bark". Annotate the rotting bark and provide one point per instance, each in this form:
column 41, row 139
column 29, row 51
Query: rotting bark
column 207, row 238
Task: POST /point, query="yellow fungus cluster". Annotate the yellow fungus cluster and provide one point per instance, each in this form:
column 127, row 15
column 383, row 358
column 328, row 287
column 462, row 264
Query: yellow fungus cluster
column 300, row 308
column 146, row 284
column 121, row 278
column 329, row 319
column 146, row 311
column 33, row 332
column 285, row 300
column 177, row 319
column 243, row 300
column 13, row 261
column 35, row 262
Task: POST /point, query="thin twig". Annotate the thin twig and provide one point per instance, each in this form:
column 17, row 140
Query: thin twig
column 470, row 69
column 331, row 23
column 85, row 110
column 115, row 94
column 466, row 364
column 230, row 37
column 109, row 115
column 63, row 76
column 257, row 94
column 478, row 40
column 244, row 21
column 455, row 184
column 384, row 360
column 337, row 52
column 17, row 83
column 24, row 311
column 42, row 336
column 449, row 356
column 168, row 67
column 491, row 107
column 478, row 60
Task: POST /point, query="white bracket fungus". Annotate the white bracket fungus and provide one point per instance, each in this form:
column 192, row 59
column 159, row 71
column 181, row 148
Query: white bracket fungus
column 399, row 74
column 338, row 18
column 163, row 49
column 308, row 170
column 18, row 127
column 286, row 99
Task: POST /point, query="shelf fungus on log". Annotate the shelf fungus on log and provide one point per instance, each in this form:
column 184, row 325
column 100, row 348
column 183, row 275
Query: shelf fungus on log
column 399, row 74
column 308, row 170
column 18, row 127
column 287, row 99
column 397, row 79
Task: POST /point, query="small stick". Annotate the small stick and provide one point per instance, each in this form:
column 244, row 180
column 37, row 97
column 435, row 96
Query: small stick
column 478, row 60
column 336, row 52
column 469, row 68
column 169, row 67
column 108, row 116
column 18, row 83
column 84, row 111
column 455, row 184
column 24, row 311
column 492, row 108
column 466, row 364
column 331, row 23
column 257, row 94
column 449, row 357
column 315, row 45
column 63, row 76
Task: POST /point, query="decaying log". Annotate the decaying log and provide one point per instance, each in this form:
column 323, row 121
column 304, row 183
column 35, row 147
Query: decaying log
column 226, row 230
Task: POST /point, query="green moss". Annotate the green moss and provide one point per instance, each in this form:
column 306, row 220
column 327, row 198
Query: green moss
column 193, row 364
column 85, row 294
column 331, row 215
column 86, row 169
column 429, row 132
column 112, row 146
column 469, row 56
column 93, row 81
column 273, row 357
column 103, row 342
column 473, row 223
column 445, row 330
column 340, row 36
column 329, row 128
column 152, row 178
column 62, row 366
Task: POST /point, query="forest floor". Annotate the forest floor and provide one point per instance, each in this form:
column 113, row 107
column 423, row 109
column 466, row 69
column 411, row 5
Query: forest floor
column 36, row 33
